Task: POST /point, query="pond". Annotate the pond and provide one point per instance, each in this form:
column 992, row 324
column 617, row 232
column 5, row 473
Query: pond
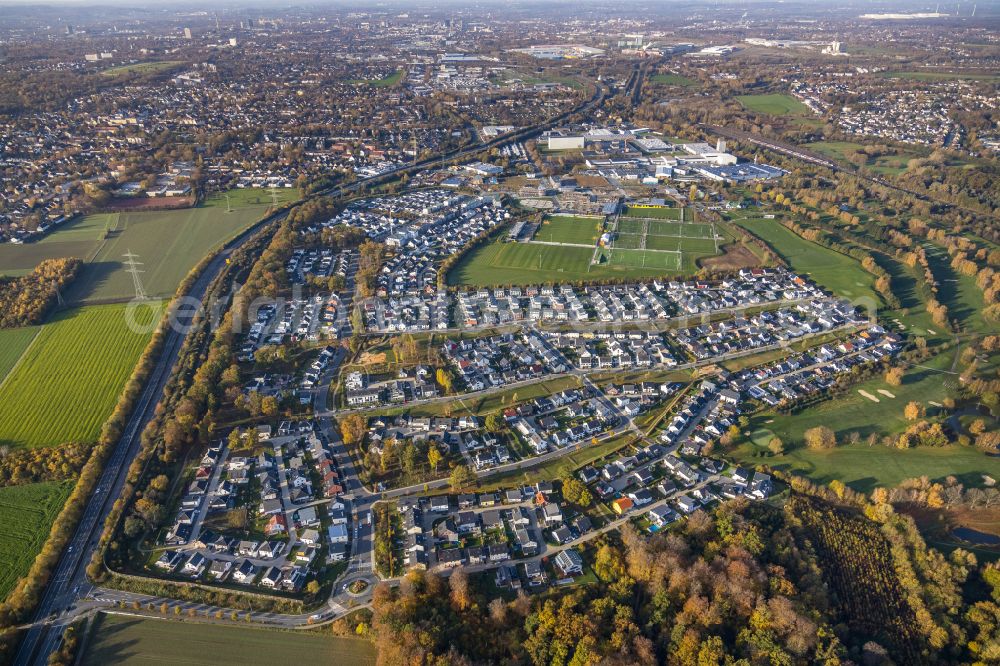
column 975, row 536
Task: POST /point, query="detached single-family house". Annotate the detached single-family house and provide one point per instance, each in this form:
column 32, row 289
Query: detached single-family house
column 569, row 562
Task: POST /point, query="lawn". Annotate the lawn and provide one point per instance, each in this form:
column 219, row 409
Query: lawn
column 141, row 68
column 534, row 79
column 501, row 263
column 837, row 272
column 26, row 516
column 673, row 80
column 130, row 640
column 569, row 229
column 958, row 292
column 387, row 82
column 251, row 197
column 864, row 467
column 13, row 342
column 858, row 464
column 775, row 104
column 69, row 379
column 653, row 213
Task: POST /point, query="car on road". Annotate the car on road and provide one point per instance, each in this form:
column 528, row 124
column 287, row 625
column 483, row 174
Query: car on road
column 315, row 616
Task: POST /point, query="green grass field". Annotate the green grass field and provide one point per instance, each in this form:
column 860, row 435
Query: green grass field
column 641, row 259
column 775, row 104
column 859, row 465
column 864, row 467
column 890, row 165
column 130, row 640
column 501, row 263
column 70, row 377
column 942, row 76
column 665, row 213
column 13, row 342
column 569, row 229
column 251, row 197
column 26, row 516
column 673, row 80
column 387, row 82
column 837, row 272
column 536, row 78
column 958, row 292
column 141, row 68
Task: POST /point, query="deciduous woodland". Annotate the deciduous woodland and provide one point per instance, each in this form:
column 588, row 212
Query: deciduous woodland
column 25, row 301
column 820, row 580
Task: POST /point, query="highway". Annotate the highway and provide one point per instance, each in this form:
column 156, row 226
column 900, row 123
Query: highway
column 68, row 582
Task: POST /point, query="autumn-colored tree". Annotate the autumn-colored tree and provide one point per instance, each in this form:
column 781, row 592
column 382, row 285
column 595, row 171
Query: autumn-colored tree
column 352, row 429
column 894, row 376
column 820, row 437
column 914, row 410
column 460, row 595
column 575, row 492
column 269, row 406
column 433, row 457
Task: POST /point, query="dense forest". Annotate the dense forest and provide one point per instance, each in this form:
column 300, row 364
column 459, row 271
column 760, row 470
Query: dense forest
column 25, row 301
column 819, row 581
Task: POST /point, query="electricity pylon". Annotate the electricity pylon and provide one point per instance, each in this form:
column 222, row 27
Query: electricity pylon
column 132, row 267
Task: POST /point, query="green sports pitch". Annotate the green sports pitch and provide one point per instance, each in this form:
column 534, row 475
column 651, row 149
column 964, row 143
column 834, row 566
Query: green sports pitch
column 569, row 230
column 642, row 259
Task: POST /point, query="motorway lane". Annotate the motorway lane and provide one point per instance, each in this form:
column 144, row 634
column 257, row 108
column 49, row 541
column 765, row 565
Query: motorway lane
column 69, row 577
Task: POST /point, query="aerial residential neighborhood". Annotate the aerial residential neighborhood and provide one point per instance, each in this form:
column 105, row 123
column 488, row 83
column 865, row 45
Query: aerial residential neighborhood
column 516, row 333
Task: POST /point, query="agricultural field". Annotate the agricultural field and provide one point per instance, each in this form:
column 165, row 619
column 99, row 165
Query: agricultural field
column 671, row 79
column 131, row 640
column 775, row 105
column 79, row 238
column 570, row 229
column 69, row 378
column 861, row 466
column 13, row 342
column 26, row 516
column 837, row 272
column 168, row 243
